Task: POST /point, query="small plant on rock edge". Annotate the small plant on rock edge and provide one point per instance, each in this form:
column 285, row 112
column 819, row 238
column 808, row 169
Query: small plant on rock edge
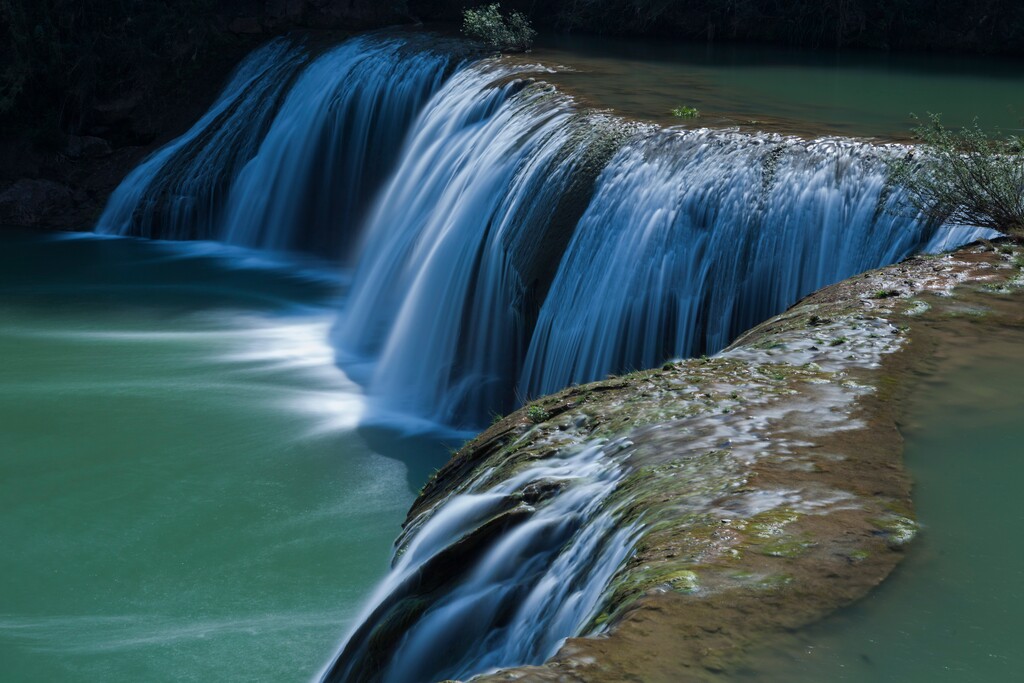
column 488, row 25
column 964, row 177
column 686, row 112
column 536, row 414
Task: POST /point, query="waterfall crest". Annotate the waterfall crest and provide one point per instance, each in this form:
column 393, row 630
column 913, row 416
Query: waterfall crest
column 291, row 154
column 498, row 575
column 464, row 239
column 695, row 237
column 522, row 246
column 507, row 243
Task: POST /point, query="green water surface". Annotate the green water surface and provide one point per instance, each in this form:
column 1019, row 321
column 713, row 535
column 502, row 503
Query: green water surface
column 183, row 493
column 953, row 611
column 796, row 91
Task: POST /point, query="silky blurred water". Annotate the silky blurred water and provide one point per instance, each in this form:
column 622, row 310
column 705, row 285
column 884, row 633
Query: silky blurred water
column 184, row 493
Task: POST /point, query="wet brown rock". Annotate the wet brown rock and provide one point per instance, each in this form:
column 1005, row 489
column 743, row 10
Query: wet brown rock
column 769, row 478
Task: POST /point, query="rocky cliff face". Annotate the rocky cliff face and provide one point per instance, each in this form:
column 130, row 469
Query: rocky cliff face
column 278, row 15
column 58, row 167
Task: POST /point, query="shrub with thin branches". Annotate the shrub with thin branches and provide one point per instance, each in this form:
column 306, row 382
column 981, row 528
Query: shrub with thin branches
column 965, row 176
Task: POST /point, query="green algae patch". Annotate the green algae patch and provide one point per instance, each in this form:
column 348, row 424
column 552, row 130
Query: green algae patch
column 787, row 547
column 897, row 530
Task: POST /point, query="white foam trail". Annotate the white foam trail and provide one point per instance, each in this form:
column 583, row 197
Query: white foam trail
column 513, row 602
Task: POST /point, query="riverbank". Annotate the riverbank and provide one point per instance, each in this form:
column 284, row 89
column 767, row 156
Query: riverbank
column 768, row 479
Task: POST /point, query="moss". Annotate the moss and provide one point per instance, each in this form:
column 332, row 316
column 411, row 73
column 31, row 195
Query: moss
column 859, row 555
column 897, row 530
column 771, row 523
column 683, row 581
column 774, row 582
column 787, row 547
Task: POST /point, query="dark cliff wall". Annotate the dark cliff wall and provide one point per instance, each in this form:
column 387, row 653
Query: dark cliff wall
column 985, row 26
column 88, row 87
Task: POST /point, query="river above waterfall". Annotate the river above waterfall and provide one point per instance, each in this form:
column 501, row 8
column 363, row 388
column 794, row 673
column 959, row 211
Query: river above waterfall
column 788, row 90
column 185, row 494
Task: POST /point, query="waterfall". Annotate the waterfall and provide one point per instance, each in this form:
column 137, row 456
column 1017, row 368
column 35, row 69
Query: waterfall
column 480, row 206
column 522, row 246
column 497, row 575
column 695, row 237
column 291, row 154
column 505, row 242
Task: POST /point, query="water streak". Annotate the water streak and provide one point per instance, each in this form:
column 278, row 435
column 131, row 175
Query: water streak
column 463, row 240
column 290, row 155
column 521, row 563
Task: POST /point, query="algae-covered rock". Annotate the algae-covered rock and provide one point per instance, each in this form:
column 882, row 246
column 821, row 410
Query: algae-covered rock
column 766, row 481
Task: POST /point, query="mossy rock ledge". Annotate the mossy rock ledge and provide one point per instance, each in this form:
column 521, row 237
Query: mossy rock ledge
column 767, row 480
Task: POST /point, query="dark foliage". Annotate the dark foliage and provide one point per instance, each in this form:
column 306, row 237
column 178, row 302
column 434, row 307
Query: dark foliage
column 965, row 177
column 995, row 26
column 59, row 58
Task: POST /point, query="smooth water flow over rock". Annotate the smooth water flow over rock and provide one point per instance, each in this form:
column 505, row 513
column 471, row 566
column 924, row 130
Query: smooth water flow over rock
column 464, row 240
column 516, row 244
column 507, row 243
column 694, row 237
column 522, row 246
column 290, row 155
column 497, row 575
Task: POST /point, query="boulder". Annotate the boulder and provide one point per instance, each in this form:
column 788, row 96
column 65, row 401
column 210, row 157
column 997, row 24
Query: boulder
column 28, row 202
column 87, row 147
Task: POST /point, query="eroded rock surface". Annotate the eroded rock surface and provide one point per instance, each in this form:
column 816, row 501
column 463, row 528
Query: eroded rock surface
column 767, row 480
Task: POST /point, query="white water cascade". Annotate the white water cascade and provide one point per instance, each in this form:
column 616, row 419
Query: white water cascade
column 497, row 575
column 508, row 243
column 505, row 244
column 695, row 237
column 290, row 155
column 454, row 251
column 473, row 294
